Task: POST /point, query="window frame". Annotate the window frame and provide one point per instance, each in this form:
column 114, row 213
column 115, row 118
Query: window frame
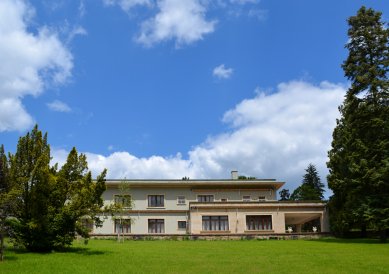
column 245, row 199
column 215, row 223
column 178, row 225
column 126, row 225
column 157, row 205
column 206, row 195
column 181, row 200
column 261, row 224
column 116, row 202
column 159, row 226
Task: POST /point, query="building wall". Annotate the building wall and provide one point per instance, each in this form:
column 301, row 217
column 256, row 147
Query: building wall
column 139, row 223
column 139, row 196
column 141, row 212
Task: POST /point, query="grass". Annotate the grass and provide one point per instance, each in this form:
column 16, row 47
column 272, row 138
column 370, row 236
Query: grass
column 266, row 256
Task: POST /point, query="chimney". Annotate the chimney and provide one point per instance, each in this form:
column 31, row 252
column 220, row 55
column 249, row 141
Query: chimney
column 234, row 175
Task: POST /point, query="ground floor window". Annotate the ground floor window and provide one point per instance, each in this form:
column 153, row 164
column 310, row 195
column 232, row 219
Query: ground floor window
column 181, row 224
column 122, row 226
column 258, row 222
column 215, row 223
column 87, row 223
column 156, row 226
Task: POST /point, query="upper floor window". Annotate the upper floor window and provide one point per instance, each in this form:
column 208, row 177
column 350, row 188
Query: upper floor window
column 262, row 198
column 205, row 198
column 181, row 200
column 123, row 200
column 156, row 200
column 246, row 198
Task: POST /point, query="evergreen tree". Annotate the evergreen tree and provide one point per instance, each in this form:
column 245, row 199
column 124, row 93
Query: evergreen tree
column 51, row 203
column 311, row 188
column 5, row 199
column 359, row 158
column 284, row 195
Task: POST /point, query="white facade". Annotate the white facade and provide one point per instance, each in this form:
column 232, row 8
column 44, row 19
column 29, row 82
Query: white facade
column 179, row 207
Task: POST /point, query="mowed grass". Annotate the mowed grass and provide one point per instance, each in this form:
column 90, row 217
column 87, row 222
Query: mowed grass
column 253, row 256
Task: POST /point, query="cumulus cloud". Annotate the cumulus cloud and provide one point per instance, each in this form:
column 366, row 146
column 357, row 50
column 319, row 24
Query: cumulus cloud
column 182, row 21
column 59, row 106
column 222, row 72
column 273, row 135
column 29, row 62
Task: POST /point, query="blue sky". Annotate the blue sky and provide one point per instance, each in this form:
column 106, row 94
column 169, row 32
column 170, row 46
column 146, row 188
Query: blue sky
column 173, row 88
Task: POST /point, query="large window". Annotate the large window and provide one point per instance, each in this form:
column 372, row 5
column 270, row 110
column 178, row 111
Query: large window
column 258, row 222
column 156, row 226
column 156, row 200
column 205, row 198
column 215, row 223
column 123, row 200
column 123, row 226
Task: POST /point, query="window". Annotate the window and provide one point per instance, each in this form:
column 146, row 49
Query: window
column 123, row 226
column 223, row 199
column 87, row 223
column 215, row 223
column 262, row 198
column 246, row 198
column 205, row 198
column 181, row 224
column 156, row 200
column 181, row 200
column 122, row 200
column 156, row 226
column 258, row 222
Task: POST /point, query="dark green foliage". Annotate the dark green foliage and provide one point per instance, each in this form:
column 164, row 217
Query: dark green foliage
column 311, row 189
column 359, row 158
column 284, row 195
column 51, row 203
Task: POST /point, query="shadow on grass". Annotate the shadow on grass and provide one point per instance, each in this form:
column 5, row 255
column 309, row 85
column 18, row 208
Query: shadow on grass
column 77, row 250
column 348, row 240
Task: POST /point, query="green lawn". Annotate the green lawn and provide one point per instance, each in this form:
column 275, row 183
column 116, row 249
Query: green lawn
column 266, row 256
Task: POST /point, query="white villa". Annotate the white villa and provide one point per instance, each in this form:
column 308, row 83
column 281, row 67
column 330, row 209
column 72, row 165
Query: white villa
column 209, row 207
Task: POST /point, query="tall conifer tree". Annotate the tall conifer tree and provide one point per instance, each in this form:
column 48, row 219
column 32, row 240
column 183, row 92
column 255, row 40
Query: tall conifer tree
column 359, row 157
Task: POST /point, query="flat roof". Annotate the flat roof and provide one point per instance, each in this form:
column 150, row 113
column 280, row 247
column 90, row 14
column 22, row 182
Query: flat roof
column 209, row 184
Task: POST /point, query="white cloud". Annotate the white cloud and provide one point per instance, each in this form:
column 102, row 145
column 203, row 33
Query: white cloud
column 244, row 2
column 29, row 62
column 182, row 21
column 126, row 5
column 222, row 72
column 59, row 106
column 272, row 136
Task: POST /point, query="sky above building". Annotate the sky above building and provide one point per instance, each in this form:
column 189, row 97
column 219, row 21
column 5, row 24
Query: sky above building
column 174, row 88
